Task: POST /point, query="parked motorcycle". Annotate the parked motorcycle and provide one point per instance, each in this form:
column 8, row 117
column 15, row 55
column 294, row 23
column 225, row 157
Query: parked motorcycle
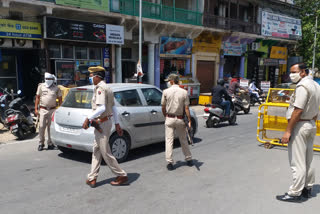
column 5, row 100
column 214, row 114
column 241, row 101
column 19, row 119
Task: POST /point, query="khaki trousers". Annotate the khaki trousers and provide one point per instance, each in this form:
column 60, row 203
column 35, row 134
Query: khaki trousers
column 178, row 125
column 44, row 123
column 101, row 149
column 300, row 151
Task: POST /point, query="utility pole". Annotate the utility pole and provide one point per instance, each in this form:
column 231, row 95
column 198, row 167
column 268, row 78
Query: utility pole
column 315, row 43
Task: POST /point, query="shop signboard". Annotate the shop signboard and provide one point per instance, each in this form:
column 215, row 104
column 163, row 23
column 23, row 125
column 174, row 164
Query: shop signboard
column 115, row 34
column 87, row 4
column 175, row 46
column 20, row 29
column 244, row 83
column 278, row 52
column 233, row 49
column 74, row 30
column 265, row 85
column 270, row 62
column 275, row 25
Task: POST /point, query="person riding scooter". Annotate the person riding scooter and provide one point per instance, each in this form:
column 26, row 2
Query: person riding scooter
column 254, row 90
column 219, row 92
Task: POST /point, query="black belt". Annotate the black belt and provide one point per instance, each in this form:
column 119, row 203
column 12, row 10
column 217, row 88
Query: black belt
column 175, row 116
column 46, row 108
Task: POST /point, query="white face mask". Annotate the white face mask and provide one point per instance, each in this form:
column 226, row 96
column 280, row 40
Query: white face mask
column 49, row 83
column 169, row 84
column 295, row 77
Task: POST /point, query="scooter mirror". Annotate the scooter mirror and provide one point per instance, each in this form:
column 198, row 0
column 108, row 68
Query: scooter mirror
column 19, row 92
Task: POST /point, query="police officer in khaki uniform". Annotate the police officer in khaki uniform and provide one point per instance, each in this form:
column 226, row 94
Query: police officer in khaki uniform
column 47, row 94
column 103, row 109
column 175, row 102
column 301, row 130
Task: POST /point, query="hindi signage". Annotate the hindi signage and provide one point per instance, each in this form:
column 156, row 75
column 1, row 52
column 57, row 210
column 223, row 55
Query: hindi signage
column 20, row 29
column 275, row 25
column 115, row 34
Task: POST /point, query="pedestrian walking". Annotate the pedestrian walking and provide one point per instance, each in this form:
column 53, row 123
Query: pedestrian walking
column 103, row 109
column 301, row 130
column 175, row 102
column 46, row 96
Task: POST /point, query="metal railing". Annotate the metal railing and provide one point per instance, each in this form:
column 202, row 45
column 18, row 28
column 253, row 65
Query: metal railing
column 53, row 1
column 156, row 11
column 220, row 22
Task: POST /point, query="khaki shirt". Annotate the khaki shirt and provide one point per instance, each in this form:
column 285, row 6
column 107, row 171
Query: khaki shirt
column 175, row 99
column 103, row 95
column 306, row 97
column 48, row 96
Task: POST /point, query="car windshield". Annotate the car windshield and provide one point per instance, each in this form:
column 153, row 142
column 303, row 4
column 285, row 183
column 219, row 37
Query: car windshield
column 78, row 99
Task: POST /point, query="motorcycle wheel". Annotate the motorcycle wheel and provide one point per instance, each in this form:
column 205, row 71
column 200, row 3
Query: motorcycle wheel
column 246, row 111
column 233, row 119
column 20, row 134
column 209, row 123
column 33, row 130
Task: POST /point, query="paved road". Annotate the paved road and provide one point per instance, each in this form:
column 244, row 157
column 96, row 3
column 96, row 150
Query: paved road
column 233, row 174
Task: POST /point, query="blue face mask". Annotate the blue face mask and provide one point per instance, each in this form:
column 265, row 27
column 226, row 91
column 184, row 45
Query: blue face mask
column 91, row 80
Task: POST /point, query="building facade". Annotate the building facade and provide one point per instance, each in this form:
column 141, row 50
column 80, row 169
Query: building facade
column 201, row 40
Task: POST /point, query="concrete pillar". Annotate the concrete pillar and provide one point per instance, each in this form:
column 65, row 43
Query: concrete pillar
column 151, row 64
column 221, row 68
column 157, row 66
column 241, row 69
column 118, row 65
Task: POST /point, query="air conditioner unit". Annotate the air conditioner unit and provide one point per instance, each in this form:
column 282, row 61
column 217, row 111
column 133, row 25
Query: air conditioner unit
column 23, row 43
column 255, row 46
column 5, row 43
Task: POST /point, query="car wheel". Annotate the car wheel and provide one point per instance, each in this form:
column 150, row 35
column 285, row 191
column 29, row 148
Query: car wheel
column 120, row 147
column 64, row 150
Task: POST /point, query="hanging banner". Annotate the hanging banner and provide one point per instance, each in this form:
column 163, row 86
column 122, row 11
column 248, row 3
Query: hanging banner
column 175, row 46
column 20, row 29
column 265, row 86
column 279, row 26
column 74, row 30
column 115, row 34
column 87, row 4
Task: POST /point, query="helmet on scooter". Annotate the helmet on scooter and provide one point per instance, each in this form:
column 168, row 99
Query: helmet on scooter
column 220, row 82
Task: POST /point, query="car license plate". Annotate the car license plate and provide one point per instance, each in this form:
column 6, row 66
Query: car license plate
column 70, row 130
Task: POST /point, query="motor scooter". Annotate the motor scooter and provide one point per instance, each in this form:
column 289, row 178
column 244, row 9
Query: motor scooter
column 5, row 100
column 241, row 101
column 214, row 114
column 19, row 119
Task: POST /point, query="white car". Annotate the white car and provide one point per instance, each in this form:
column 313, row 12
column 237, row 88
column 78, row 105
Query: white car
column 140, row 117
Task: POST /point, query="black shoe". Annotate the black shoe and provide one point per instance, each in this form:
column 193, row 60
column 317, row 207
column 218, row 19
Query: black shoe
column 170, row 167
column 51, row 147
column 40, row 147
column 190, row 163
column 288, row 198
column 306, row 193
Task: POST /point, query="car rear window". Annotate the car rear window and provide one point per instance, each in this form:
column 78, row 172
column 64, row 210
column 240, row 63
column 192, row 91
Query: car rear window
column 78, row 99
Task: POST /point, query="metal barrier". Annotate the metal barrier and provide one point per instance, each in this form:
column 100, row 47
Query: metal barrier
column 271, row 118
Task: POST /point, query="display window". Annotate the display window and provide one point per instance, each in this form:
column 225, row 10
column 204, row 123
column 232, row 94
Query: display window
column 81, row 53
column 8, row 73
column 67, row 51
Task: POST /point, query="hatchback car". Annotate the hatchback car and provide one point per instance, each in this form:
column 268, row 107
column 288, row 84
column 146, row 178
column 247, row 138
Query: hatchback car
column 139, row 112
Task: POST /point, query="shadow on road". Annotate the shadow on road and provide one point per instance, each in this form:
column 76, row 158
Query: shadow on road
column 315, row 190
column 85, row 157
column 196, row 164
column 132, row 177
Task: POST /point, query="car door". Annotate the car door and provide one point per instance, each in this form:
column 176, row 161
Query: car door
column 153, row 99
column 134, row 115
